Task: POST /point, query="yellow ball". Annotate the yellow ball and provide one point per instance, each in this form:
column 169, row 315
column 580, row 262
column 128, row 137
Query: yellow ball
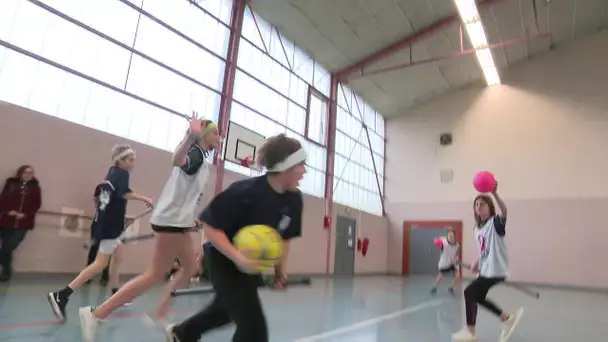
column 260, row 242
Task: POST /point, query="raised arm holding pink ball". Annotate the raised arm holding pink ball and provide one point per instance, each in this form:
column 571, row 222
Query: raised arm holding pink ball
column 484, row 182
column 491, row 264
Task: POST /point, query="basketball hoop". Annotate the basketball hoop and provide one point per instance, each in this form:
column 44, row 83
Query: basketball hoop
column 254, row 169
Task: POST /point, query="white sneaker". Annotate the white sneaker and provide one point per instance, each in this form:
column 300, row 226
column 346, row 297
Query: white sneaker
column 154, row 323
column 463, row 335
column 509, row 325
column 88, row 323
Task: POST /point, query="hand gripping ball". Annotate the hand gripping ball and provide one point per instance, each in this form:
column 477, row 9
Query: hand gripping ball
column 484, row 181
column 260, row 242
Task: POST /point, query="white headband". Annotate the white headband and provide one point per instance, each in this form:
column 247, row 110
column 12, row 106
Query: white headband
column 294, row 159
column 122, row 155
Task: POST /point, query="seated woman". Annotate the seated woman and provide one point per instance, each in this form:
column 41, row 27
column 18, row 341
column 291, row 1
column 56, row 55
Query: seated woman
column 20, row 200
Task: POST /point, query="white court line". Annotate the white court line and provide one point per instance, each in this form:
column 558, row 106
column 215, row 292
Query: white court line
column 371, row 321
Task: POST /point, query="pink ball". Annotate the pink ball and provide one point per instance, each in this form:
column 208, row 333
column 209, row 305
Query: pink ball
column 484, row 181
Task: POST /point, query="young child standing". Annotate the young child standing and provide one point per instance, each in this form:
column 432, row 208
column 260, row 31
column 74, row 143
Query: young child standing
column 491, row 267
column 172, row 220
column 448, row 260
column 272, row 199
column 112, row 198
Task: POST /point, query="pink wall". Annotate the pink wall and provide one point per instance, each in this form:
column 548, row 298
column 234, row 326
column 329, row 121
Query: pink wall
column 543, row 134
column 70, row 160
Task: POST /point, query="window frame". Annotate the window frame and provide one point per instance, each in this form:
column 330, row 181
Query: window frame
column 312, row 91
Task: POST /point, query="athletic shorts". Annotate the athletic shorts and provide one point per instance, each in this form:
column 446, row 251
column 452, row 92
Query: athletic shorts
column 170, row 229
column 451, row 269
column 108, row 246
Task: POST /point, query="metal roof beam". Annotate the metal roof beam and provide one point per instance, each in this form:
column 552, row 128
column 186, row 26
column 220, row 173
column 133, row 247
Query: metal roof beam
column 406, row 42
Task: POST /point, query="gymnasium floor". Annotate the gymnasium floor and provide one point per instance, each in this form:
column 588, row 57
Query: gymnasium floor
column 366, row 309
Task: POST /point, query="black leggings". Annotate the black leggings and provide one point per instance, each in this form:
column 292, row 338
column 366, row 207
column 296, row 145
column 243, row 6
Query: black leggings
column 236, row 300
column 10, row 239
column 476, row 293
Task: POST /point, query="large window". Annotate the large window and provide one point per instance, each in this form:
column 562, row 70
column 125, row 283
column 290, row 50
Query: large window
column 280, row 89
column 114, row 65
column 355, row 182
column 136, row 68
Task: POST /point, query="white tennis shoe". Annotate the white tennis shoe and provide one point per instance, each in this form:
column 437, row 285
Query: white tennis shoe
column 464, row 335
column 88, row 323
column 509, row 325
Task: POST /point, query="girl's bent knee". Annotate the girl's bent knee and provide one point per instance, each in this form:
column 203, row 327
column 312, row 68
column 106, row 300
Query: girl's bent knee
column 469, row 293
column 98, row 266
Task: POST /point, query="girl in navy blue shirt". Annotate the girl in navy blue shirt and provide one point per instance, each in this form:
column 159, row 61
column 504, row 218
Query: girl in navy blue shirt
column 272, row 199
column 111, row 198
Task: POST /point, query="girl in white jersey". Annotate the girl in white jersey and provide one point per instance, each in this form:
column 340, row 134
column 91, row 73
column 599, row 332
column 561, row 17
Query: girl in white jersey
column 447, row 260
column 172, row 220
column 491, row 267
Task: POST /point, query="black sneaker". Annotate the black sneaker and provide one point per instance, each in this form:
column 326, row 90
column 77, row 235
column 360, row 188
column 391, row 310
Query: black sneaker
column 451, row 291
column 172, row 335
column 7, row 273
column 434, row 291
column 58, row 304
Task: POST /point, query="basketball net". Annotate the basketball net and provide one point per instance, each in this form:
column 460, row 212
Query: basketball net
column 254, row 169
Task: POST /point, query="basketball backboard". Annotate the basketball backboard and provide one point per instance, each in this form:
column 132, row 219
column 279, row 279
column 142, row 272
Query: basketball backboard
column 241, row 143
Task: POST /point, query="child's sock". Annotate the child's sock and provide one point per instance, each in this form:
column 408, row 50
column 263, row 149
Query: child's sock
column 65, row 293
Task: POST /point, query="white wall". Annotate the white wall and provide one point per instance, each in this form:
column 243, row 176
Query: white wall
column 544, row 133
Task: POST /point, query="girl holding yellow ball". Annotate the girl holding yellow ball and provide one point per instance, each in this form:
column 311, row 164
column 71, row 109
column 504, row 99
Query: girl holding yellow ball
column 272, row 200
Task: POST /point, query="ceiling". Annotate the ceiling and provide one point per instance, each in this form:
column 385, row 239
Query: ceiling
column 340, row 33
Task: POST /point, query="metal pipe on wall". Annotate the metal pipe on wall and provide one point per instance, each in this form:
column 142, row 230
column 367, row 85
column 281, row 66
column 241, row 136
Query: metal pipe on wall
column 236, row 26
column 371, row 151
column 329, row 166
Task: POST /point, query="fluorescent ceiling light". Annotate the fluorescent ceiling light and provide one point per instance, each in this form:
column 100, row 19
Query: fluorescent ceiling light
column 477, row 35
column 484, row 56
column 467, row 9
column 491, row 75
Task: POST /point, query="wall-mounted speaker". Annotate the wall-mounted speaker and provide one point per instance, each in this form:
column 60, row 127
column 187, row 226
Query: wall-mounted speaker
column 445, row 139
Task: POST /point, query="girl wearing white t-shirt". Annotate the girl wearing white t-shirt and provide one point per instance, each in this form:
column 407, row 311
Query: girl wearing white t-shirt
column 448, row 259
column 173, row 218
column 491, row 267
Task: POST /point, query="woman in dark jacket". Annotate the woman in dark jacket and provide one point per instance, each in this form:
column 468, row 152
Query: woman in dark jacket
column 20, row 200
